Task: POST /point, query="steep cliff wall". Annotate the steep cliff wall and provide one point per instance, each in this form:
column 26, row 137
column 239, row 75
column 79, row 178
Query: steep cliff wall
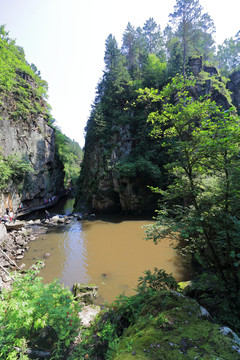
column 26, row 136
column 113, row 177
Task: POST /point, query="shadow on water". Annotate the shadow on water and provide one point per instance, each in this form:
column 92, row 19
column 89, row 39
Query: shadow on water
column 109, row 251
column 63, row 207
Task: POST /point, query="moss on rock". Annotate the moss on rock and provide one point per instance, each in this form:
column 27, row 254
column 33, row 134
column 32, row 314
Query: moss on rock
column 172, row 327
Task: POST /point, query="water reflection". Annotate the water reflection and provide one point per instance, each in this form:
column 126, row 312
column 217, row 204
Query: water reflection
column 73, row 244
column 111, row 254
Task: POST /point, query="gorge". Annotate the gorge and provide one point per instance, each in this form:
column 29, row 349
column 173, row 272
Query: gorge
column 162, row 140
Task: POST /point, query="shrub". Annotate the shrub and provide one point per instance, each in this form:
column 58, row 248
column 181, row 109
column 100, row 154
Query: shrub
column 30, row 310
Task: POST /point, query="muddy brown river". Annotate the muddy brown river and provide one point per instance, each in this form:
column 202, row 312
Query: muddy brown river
column 109, row 252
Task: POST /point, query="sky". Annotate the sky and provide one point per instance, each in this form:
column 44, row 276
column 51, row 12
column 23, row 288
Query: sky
column 65, row 39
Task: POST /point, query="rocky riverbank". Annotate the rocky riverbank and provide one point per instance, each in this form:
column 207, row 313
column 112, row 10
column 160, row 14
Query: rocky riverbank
column 15, row 238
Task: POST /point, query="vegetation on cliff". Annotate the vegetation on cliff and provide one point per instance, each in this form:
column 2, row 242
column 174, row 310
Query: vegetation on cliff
column 70, row 154
column 187, row 152
column 200, row 207
column 121, row 159
column 27, row 96
column 23, row 97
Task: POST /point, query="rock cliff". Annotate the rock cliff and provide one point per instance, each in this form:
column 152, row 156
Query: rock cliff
column 113, row 179
column 25, row 135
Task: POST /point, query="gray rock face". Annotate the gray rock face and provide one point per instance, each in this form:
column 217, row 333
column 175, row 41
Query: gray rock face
column 104, row 188
column 31, row 139
column 234, row 86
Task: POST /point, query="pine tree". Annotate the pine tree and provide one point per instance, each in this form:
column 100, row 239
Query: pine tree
column 153, row 38
column 193, row 29
column 112, row 53
column 129, row 48
column 228, row 55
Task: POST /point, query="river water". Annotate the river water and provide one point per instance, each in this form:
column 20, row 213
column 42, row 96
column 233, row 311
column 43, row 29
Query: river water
column 110, row 252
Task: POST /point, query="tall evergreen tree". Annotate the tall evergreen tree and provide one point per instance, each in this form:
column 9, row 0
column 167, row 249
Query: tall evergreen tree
column 193, row 29
column 174, row 51
column 153, row 38
column 110, row 90
column 228, row 54
column 112, row 53
column 129, row 48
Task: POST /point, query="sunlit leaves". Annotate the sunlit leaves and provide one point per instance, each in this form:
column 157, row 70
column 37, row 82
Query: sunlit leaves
column 28, row 308
column 201, row 205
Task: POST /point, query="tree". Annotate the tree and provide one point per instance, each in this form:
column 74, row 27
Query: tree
column 129, row 48
column 115, row 79
column 153, row 38
column 204, row 39
column 228, row 54
column 200, row 207
column 193, row 29
column 174, row 52
column 139, row 43
column 70, row 155
column 155, row 71
column 112, row 53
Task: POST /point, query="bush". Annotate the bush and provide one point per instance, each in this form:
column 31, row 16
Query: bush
column 30, row 310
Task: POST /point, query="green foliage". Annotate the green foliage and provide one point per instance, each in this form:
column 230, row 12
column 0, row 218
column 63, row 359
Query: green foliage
column 155, row 72
column 13, row 62
column 13, row 168
column 19, row 84
column 212, row 293
column 145, row 59
column 170, row 326
column 228, row 55
column 200, row 207
column 29, row 309
column 151, row 323
column 104, row 335
column 158, row 280
column 138, row 167
column 193, row 30
column 218, row 84
column 70, row 154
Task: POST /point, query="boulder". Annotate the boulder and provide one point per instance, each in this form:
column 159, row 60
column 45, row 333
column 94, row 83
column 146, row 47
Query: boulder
column 37, row 222
column 55, row 218
column 20, row 241
column 88, row 314
column 14, row 225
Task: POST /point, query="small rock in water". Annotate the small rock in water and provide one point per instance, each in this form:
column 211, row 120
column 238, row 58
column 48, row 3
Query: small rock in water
column 46, row 255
